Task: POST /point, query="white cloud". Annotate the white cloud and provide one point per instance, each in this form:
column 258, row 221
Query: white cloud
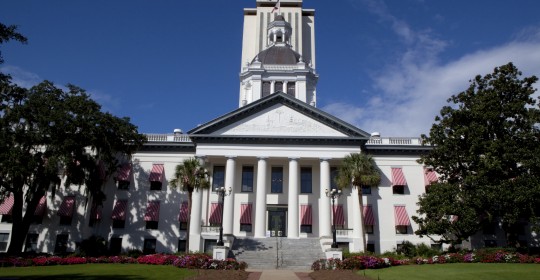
column 410, row 93
column 21, row 77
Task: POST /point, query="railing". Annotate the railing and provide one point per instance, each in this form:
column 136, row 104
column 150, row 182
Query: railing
column 344, row 232
column 280, row 67
column 168, row 138
column 414, row 141
column 210, row 229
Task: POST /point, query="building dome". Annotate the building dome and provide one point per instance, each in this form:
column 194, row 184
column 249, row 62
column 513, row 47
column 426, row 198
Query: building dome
column 278, row 55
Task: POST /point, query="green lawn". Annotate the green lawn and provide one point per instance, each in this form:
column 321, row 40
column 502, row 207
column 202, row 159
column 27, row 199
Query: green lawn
column 97, row 271
column 457, row 271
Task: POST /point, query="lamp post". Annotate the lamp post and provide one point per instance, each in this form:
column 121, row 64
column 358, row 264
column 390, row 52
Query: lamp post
column 333, row 194
column 222, row 192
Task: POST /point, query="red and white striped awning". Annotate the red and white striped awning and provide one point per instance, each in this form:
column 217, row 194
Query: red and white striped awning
column 7, row 205
column 339, row 215
column 156, row 175
column 41, row 207
column 96, row 213
column 119, row 210
column 152, row 211
column 430, row 177
column 123, row 173
column 401, row 216
column 215, row 213
column 305, row 212
column 184, row 212
column 398, row 179
column 67, row 206
column 369, row 219
column 245, row 213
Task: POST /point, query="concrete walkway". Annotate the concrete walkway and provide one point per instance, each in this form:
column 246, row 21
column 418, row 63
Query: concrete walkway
column 280, row 275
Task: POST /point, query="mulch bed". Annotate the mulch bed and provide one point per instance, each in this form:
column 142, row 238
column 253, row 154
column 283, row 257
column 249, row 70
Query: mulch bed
column 244, row 275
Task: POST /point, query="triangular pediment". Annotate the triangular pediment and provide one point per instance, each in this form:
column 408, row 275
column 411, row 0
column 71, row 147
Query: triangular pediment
column 280, row 120
column 278, row 116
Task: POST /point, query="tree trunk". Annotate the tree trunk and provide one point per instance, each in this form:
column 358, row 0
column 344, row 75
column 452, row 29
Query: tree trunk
column 190, row 195
column 21, row 224
column 361, row 202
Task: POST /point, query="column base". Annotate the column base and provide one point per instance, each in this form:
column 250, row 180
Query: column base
column 220, row 253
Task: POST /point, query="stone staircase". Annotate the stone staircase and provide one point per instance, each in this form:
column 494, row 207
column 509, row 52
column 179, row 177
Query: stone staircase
column 277, row 252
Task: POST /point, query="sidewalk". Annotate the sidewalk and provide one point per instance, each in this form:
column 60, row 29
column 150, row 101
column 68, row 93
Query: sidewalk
column 279, row 275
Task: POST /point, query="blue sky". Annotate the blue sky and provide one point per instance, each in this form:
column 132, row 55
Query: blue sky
column 384, row 65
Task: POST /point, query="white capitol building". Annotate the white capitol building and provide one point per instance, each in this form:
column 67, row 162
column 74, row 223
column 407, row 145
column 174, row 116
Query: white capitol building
column 277, row 153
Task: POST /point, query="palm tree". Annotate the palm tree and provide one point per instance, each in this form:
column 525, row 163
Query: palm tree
column 358, row 170
column 190, row 176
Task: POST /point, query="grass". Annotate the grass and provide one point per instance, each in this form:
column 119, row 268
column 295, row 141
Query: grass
column 96, row 271
column 457, row 271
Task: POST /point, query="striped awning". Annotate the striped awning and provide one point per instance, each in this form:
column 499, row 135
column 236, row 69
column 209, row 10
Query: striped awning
column 41, row 207
column 124, row 172
column 245, row 213
column 152, row 211
column 401, row 216
column 7, row 205
column 215, row 213
column 119, row 210
column 430, row 177
column 398, row 179
column 96, row 213
column 369, row 219
column 305, row 212
column 339, row 215
column 156, row 175
column 184, row 212
column 67, row 206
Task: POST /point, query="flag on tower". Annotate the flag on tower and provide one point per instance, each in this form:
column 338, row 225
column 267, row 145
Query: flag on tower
column 277, row 7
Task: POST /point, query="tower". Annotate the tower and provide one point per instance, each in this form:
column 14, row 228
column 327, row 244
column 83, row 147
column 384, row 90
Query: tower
column 278, row 52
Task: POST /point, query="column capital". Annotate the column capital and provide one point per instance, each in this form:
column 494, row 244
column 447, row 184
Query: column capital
column 293, row 158
column 324, row 159
column 262, row 158
column 231, row 157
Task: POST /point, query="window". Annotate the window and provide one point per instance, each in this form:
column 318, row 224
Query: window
column 437, row 247
column 278, row 86
column 370, row 247
column 218, row 177
column 61, row 244
column 368, row 229
column 31, row 242
column 123, row 185
column 156, row 186
column 265, row 89
column 66, row 220
column 366, row 189
column 182, row 245
column 402, row 229
column 245, row 227
column 427, row 188
column 38, row 219
column 183, row 226
column 209, row 245
column 306, row 229
column 333, row 176
column 119, row 224
column 4, row 239
column 277, row 180
column 247, row 179
column 7, row 219
column 398, row 189
column 151, row 224
column 115, row 246
column 305, row 180
column 149, row 246
column 291, row 88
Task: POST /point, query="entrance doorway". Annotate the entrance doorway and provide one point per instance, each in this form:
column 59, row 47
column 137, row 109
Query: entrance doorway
column 277, row 221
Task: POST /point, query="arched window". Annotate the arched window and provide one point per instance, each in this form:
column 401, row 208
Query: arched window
column 291, row 88
column 265, row 89
column 278, row 86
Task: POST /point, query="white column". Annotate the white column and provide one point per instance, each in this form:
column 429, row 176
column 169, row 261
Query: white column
column 285, row 87
column 272, row 87
column 324, row 201
column 294, row 182
column 260, row 206
column 195, row 221
column 228, row 208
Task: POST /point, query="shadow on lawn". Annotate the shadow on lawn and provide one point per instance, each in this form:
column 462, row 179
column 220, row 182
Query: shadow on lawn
column 74, row 276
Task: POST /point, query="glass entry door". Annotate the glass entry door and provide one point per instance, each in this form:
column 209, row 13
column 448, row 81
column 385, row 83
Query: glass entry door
column 277, row 221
